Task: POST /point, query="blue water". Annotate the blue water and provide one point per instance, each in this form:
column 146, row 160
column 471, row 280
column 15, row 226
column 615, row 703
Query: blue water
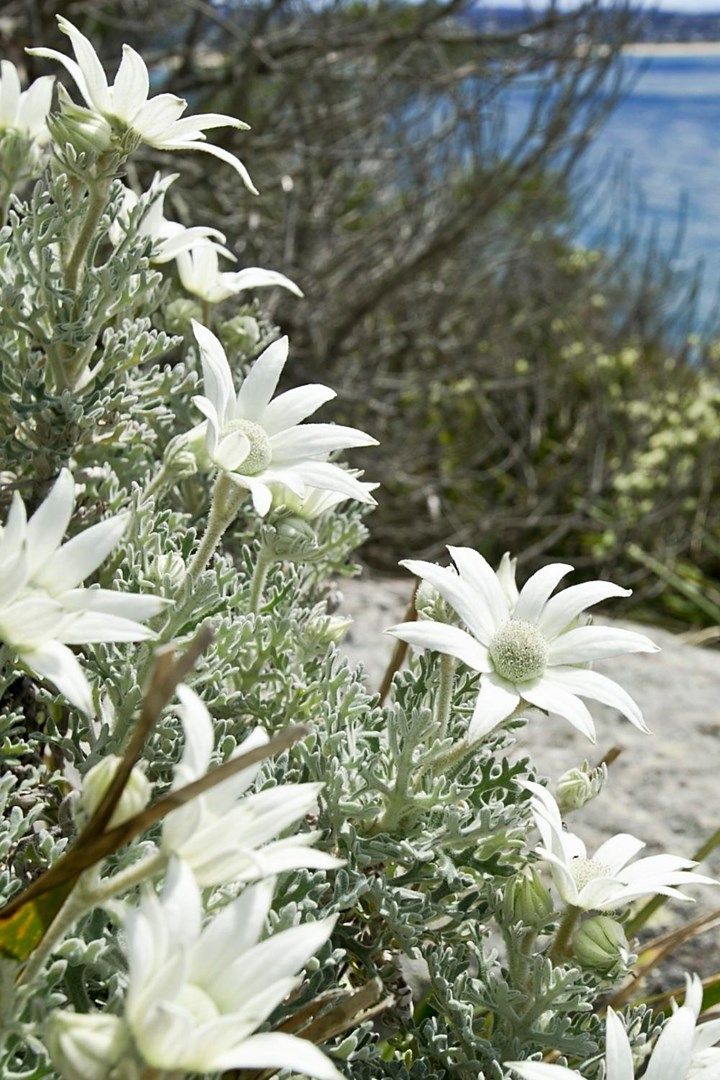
column 666, row 133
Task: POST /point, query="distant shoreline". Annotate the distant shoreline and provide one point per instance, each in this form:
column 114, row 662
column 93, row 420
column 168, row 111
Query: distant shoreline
column 672, row 48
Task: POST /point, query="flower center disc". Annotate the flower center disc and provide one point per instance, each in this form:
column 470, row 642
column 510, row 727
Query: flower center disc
column 260, row 454
column 518, row 651
column 586, row 870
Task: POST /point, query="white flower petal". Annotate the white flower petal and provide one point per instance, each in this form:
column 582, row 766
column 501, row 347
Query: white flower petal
column 480, row 576
column 592, row 684
column 208, row 148
column 536, row 591
column 253, row 277
column 464, row 599
column 198, row 732
column 277, row 1050
column 563, row 609
column 217, row 377
column 541, row 1070
column 673, row 1050
column 617, row 851
column 70, row 66
column 82, row 555
column 294, row 406
column 496, row 701
column 327, row 476
column 9, row 94
column 553, row 698
column 315, row 441
column 450, row 640
column 156, row 118
column 60, row 666
column 131, row 87
column 260, row 493
column 618, row 1055
column 35, row 105
column 92, row 627
column 587, row 643
column 92, row 70
column 259, row 385
column 49, row 523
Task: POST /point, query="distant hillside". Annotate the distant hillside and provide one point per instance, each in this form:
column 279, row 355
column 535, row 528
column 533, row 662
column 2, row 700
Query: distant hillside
column 650, row 25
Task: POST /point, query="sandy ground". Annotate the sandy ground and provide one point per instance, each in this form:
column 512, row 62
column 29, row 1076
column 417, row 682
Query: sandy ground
column 663, row 788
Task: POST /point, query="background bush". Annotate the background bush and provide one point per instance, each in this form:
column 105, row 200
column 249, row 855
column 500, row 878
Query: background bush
column 556, row 394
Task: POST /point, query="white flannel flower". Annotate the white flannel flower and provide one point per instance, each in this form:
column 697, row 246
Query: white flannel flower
column 43, row 607
column 24, row 111
column 227, row 834
column 607, row 880
column 169, row 238
column 196, row 996
column 200, row 274
column 260, row 441
column 155, row 121
column 680, row 1053
column 528, row 646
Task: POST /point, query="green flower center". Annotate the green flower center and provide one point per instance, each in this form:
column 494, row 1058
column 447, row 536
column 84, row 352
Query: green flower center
column 518, row 651
column 586, row 870
column 260, row 454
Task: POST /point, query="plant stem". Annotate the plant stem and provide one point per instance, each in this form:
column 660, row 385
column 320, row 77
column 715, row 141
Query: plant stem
column 127, row 879
column 444, row 695
column 226, row 500
column 559, row 949
column 259, row 577
column 73, row 909
column 158, row 482
column 97, row 201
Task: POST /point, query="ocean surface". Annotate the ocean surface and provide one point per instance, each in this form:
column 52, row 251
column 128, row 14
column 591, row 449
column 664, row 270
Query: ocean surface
column 665, row 138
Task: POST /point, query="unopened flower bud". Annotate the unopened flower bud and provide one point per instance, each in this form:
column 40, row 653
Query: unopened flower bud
column 86, row 131
column 185, row 453
column 600, row 943
column 179, row 313
column 429, row 604
column 135, row 796
column 86, row 1046
column 169, row 567
column 578, row 786
column 240, row 334
column 294, row 539
column 527, row 901
column 329, row 629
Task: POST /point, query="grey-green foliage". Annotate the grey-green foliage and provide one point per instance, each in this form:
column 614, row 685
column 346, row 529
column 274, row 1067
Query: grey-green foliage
column 430, row 840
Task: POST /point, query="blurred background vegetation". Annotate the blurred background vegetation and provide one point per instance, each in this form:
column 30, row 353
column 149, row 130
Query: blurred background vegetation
column 528, row 393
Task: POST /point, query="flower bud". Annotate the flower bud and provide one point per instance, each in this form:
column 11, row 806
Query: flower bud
column 527, row 901
column 429, row 604
column 329, row 629
column 86, row 131
column 85, row 1046
column 240, row 334
column 578, row 786
column 169, row 567
column 179, row 313
column 135, row 796
column 294, row 539
column 600, row 943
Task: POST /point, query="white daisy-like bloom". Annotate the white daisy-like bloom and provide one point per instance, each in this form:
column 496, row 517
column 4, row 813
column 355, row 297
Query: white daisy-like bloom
column 156, row 121
column 43, row 607
column 260, row 441
column 199, row 269
column 195, row 996
column 682, row 1052
column 227, row 834
column 24, row 111
column 528, row 645
column 608, row 879
column 169, row 238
